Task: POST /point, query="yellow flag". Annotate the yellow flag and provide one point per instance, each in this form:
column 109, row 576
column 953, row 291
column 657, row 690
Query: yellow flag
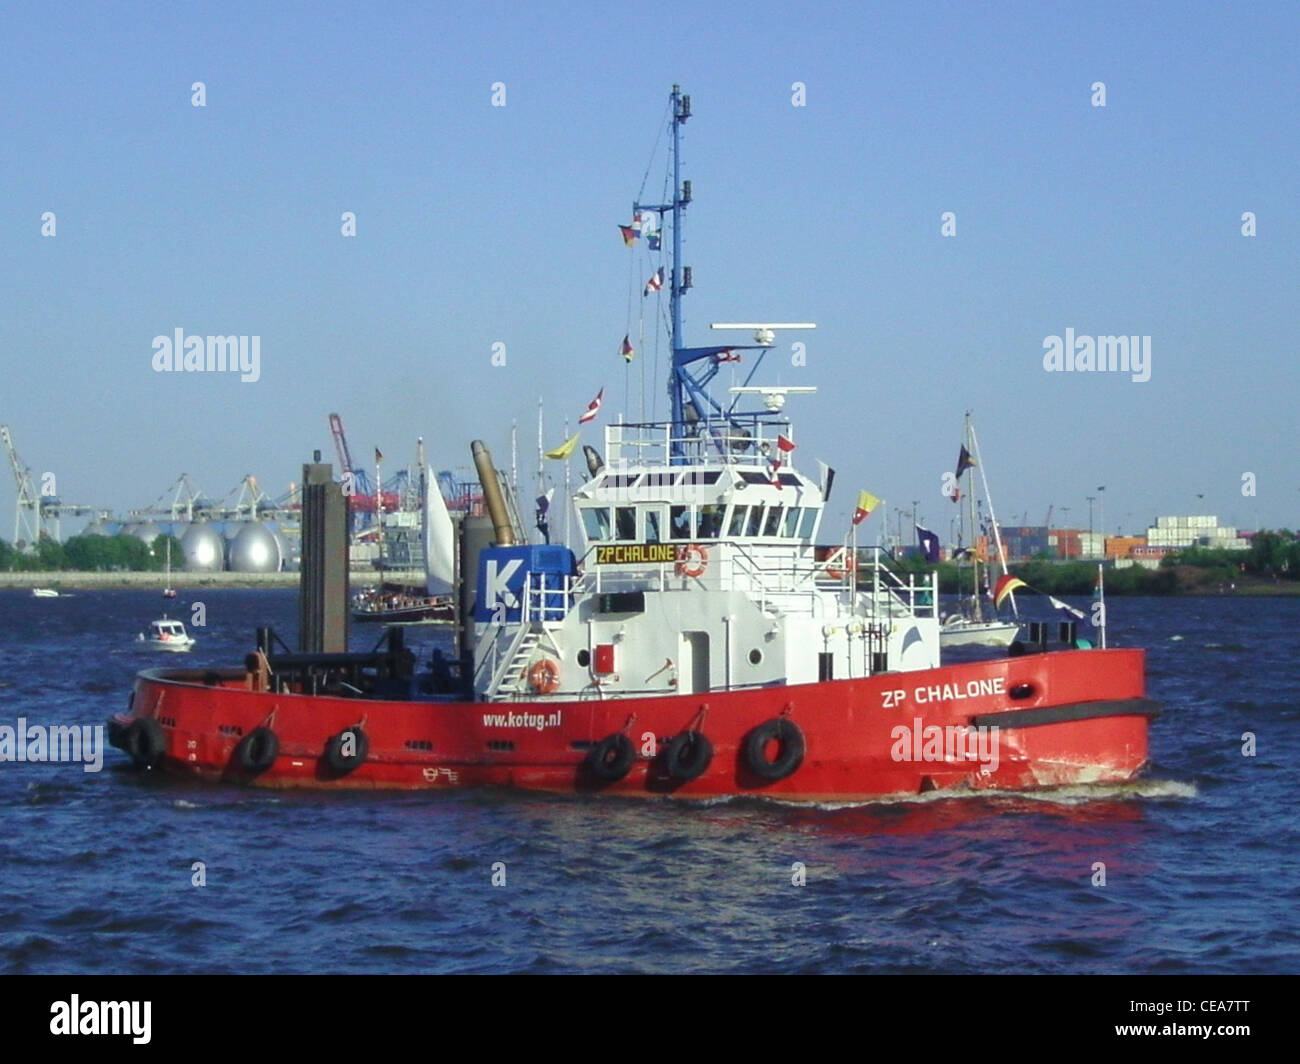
column 866, row 503
column 565, row 449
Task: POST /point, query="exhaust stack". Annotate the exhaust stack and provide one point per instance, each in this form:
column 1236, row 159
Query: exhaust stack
column 502, row 530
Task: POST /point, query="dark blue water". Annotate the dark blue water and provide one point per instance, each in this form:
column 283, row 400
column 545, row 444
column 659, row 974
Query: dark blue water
column 1202, row 859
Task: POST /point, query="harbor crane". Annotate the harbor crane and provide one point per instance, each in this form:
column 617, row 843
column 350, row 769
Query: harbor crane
column 27, row 516
column 35, row 514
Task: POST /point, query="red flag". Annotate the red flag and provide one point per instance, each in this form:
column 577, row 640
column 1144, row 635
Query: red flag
column 784, row 444
column 655, row 283
column 593, row 408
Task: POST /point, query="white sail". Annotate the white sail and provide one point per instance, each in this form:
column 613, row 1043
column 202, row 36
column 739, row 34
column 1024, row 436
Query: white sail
column 439, row 545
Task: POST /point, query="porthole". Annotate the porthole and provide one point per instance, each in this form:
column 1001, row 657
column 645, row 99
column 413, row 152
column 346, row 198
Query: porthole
column 755, row 656
column 584, row 658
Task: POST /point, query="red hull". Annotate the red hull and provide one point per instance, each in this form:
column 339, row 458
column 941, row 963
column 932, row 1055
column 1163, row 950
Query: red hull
column 1062, row 718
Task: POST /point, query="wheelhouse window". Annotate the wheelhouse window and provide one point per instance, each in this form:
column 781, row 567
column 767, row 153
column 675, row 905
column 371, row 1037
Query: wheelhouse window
column 773, row 526
column 710, row 523
column 625, row 522
column 681, row 522
column 737, row 527
column 595, row 520
column 808, row 523
column 702, row 476
column 791, row 527
column 755, row 525
column 652, row 533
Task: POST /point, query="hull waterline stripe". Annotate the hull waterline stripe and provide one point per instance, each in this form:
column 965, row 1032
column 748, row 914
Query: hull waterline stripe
column 1029, row 718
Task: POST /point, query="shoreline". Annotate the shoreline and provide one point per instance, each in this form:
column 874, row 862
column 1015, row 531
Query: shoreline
column 68, row 580
column 62, row 580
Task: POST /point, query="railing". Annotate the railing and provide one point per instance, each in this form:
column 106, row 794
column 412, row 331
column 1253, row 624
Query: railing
column 737, row 440
column 785, row 579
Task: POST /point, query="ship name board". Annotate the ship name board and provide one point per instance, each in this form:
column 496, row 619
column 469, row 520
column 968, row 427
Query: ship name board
column 947, row 692
column 636, row 554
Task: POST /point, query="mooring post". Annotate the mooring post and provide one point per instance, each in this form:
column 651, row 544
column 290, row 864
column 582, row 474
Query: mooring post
column 323, row 590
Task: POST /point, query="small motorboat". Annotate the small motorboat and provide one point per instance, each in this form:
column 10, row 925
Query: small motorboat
column 44, row 592
column 167, row 634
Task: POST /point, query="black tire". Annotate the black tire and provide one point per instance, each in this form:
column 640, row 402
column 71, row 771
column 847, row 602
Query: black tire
column 116, row 734
column 339, row 762
column 145, row 742
column 257, row 751
column 781, row 730
column 611, row 758
column 687, row 756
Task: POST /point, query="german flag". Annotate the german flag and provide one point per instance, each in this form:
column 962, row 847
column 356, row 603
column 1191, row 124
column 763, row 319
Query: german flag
column 1005, row 586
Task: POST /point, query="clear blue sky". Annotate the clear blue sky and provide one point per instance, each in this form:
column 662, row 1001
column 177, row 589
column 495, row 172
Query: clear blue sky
column 479, row 225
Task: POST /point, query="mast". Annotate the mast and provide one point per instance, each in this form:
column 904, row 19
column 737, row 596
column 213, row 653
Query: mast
column 681, row 112
column 974, row 530
column 993, row 517
column 379, row 508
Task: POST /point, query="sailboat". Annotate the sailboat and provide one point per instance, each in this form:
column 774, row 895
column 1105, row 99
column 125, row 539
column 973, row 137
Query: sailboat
column 967, row 626
column 169, row 592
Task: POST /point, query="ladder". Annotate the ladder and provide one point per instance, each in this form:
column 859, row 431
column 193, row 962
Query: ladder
column 515, row 663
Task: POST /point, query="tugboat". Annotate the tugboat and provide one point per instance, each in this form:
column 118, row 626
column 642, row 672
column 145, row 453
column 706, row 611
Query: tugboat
column 698, row 644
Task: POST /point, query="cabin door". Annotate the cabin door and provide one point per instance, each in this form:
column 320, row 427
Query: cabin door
column 693, row 662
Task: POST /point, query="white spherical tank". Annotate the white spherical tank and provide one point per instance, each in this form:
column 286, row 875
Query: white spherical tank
column 254, row 550
column 97, row 528
column 204, row 551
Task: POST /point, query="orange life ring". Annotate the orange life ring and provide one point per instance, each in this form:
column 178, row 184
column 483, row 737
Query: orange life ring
column 696, row 553
column 544, row 676
column 848, row 564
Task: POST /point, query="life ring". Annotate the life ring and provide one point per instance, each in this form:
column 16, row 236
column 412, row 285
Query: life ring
column 145, row 742
column 337, row 759
column 544, row 676
column 688, row 755
column 848, row 564
column 782, row 731
column 692, row 560
column 611, row 758
column 257, row 751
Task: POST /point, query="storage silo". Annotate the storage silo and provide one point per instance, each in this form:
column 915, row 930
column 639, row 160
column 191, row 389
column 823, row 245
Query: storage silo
column 254, row 549
column 203, row 549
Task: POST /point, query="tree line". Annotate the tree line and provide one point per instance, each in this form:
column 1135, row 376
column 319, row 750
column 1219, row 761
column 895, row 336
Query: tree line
column 96, row 554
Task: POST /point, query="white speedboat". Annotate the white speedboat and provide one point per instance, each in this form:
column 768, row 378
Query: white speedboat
column 44, row 592
column 167, row 634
